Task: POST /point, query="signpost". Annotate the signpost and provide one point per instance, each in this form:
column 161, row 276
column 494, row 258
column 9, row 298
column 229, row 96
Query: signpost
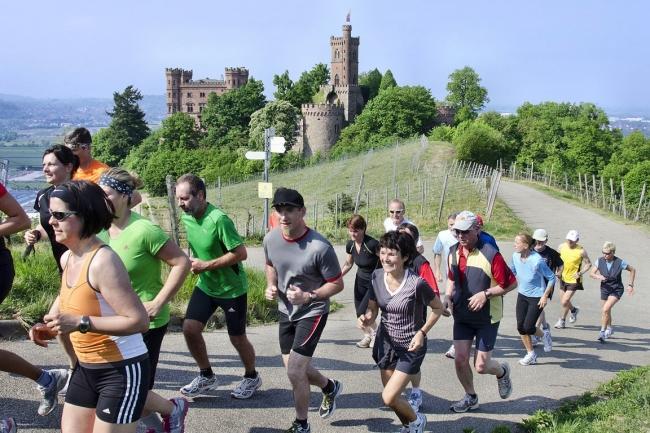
column 272, row 144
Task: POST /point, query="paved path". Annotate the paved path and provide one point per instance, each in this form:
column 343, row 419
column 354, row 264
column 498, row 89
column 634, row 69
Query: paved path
column 577, row 364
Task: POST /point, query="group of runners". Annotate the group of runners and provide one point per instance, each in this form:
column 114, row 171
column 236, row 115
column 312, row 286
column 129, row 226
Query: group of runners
column 112, row 311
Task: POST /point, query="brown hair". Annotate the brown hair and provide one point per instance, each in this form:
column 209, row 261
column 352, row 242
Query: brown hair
column 356, row 222
column 526, row 238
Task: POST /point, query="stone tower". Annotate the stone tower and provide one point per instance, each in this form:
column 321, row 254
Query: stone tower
column 321, row 124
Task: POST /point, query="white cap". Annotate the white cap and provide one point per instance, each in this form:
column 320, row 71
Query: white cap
column 573, row 235
column 465, row 221
column 540, row 235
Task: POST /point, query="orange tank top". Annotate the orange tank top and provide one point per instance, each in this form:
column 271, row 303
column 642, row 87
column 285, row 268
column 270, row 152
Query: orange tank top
column 82, row 299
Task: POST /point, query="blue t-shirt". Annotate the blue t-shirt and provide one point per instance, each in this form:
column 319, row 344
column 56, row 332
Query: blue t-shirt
column 531, row 274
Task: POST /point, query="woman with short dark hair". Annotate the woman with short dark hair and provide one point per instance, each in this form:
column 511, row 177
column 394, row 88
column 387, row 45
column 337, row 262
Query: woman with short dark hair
column 401, row 341
column 362, row 251
column 102, row 314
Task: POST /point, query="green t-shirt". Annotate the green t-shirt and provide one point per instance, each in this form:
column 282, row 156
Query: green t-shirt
column 137, row 246
column 210, row 237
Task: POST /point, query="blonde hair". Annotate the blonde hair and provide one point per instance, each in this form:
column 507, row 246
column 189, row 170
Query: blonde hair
column 526, row 238
column 124, row 176
column 609, row 247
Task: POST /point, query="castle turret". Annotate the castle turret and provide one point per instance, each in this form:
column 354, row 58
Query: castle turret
column 174, row 81
column 320, row 127
column 345, row 58
column 235, row 77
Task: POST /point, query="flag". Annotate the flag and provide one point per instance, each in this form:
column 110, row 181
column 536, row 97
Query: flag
column 347, row 17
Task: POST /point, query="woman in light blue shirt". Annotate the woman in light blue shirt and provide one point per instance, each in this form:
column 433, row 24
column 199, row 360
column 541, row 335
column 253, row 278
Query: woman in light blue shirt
column 535, row 283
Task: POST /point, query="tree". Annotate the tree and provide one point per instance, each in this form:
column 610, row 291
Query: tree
column 226, row 117
column 303, row 90
column 397, row 112
column 387, row 81
column 369, row 83
column 465, row 94
column 127, row 128
column 478, row 142
column 634, row 149
column 278, row 114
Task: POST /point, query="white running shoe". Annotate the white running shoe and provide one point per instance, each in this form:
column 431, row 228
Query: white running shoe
column 451, row 353
column 560, row 324
column 364, row 343
column 573, row 315
column 415, row 400
column 50, row 393
column 419, row 424
column 247, row 387
column 529, row 359
column 199, row 385
column 608, row 332
column 548, row 341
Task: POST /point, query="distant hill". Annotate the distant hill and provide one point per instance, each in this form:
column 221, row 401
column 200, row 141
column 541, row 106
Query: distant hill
column 20, row 112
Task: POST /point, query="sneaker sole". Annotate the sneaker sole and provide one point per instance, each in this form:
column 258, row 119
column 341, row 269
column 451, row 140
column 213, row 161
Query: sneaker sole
column 330, row 413
column 200, row 392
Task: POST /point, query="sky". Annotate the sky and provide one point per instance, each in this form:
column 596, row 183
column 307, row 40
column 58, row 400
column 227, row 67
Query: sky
column 554, row 50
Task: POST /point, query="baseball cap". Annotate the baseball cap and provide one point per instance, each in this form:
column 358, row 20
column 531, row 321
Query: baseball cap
column 479, row 220
column 540, row 235
column 287, row 197
column 573, row 235
column 465, row 221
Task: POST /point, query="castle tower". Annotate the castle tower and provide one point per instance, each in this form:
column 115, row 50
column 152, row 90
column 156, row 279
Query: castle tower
column 174, row 81
column 345, row 58
column 235, row 77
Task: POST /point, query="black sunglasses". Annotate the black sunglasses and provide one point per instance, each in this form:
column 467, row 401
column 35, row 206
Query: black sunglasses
column 462, row 232
column 61, row 216
column 396, row 211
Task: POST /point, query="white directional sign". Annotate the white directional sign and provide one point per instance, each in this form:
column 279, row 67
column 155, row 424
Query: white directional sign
column 255, row 155
column 277, row 144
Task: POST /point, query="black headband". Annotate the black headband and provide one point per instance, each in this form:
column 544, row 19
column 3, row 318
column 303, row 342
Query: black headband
column 117, row 185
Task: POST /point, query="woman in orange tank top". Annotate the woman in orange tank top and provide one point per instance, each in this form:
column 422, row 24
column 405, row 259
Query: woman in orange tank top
column 102, row 314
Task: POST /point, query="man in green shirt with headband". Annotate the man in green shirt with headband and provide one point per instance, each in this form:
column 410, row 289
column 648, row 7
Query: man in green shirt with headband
column 217, row 255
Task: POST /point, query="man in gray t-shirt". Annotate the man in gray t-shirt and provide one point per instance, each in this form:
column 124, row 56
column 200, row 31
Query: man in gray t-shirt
column 302, row 272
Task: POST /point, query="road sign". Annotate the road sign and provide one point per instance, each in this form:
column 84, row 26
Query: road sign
column 255, row 155
column 277, row 144
column 264, row 189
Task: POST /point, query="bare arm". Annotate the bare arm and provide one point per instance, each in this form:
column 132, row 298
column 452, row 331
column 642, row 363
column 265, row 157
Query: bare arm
column 595, row 274
column 349, row 263
column 239, row 254
column 632, row 278
column 33, row 236
column 437, row 261
column 298, row 297
column 271, row 282
column 586, row 263
column 16, row 219
column 108, row 275
column 171, row 254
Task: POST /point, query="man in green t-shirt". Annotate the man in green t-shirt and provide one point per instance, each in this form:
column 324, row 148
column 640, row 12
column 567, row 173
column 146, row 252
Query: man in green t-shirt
column 217, row 255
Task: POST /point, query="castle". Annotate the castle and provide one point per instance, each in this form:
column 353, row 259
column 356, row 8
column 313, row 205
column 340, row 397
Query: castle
column 190, row 96
column 321, row 124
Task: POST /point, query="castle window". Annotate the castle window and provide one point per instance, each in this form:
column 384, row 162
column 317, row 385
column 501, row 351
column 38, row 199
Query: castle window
column 169, row 108
column 190, row 108
column 201, row 107
column 336, row 80
column 169, row 94
column 202, row 94
column 189, row 94
column 169, row 82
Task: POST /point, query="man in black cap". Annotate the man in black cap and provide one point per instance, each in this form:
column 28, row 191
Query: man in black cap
column 302, row 273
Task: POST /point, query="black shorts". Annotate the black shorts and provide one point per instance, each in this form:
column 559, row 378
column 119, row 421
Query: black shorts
column 527, row 312
column 202, row 306
column 486, row 335
column 362, row 291
column 153, row 340
column 389, row 357
column 6, row 273
column 571, row 286
column 301, row 335
column 606, row 293
column 117, row 391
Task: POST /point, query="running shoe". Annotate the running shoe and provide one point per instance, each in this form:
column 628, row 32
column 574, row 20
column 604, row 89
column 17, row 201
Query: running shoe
column 546, row 326
column 529, row 359
column 504, row 382
column 404, row 429
column 200, row 385
column 175, row 422
column 247, row 387
column 602, row 337
column 328, row 405
column 464, row 404
column 535, row 340
column 608, row 332
column 65, row 388
column 451, row 353
column 364, row 343
column 297, row 428
column 419, row 424
column 548, row 341
column 7, row 425
column 573, row 315
column 415, row 400
column 50, row 393
column 560, row 324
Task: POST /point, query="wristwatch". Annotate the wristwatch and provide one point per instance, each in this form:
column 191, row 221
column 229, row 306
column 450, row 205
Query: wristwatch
column 84, row 324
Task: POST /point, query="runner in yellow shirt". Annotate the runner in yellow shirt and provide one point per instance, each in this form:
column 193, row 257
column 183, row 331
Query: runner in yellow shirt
column 576, row 263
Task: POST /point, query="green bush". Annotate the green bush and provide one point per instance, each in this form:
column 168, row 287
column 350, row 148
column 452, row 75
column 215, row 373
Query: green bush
column 478, row 142
column 442, row 133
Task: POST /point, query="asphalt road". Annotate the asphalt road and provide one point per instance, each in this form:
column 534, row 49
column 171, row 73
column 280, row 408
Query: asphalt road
column 577, row 363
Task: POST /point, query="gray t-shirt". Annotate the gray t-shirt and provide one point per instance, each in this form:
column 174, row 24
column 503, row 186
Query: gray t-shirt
column 402, row 313
column 307, row 262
